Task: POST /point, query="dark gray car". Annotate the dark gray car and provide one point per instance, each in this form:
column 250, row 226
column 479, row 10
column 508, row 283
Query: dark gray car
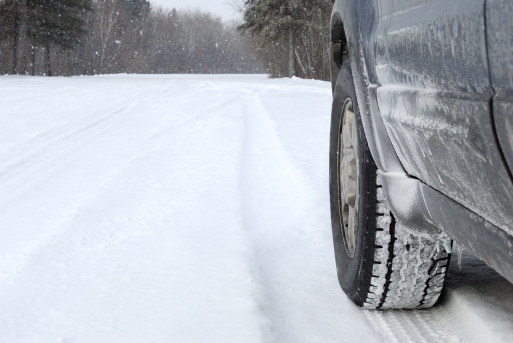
column 421, row 146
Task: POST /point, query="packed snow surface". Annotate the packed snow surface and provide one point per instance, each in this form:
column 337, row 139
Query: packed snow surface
column 190, row 209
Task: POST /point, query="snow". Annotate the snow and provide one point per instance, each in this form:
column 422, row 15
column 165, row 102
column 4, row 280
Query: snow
column 189, row 209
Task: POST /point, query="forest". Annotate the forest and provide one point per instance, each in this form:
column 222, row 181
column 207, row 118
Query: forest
column 283, row 38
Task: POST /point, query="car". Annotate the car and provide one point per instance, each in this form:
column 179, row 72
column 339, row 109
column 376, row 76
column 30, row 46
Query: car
column 421, row 144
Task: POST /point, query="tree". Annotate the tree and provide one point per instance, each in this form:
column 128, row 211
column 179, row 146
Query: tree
column 137, row 8
column 274, row 19
column 126, row 36
column 290, row 33
column 12, row 17
column 59, row 22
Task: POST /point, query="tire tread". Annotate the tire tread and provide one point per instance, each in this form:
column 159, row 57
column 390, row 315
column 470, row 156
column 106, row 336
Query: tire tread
column 409, row 270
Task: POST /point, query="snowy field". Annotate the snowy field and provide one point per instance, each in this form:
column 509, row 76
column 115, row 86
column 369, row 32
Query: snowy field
column 190, row 209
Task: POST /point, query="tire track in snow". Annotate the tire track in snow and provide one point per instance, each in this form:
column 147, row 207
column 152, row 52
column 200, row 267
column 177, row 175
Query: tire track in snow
column 56, row 152
column 83, row 131
column 36, row 166
column 29, row 164
column 293, row 255
column 380, row 326
column 217, row 290
column 263, row 162
column 414, row 325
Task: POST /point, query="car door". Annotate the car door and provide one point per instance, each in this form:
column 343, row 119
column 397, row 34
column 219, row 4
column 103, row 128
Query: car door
column 499, row 38
column 434, row 94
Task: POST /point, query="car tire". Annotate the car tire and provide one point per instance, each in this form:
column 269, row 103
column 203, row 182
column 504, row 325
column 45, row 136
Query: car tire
column 380, row 263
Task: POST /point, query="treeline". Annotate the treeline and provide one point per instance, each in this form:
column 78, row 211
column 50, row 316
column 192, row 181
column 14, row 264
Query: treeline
column 292, row 35
column 86, row 37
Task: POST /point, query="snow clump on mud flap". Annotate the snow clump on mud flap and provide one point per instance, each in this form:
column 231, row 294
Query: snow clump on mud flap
column 409, row 270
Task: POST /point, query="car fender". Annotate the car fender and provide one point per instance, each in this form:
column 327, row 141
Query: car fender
column 349, row 11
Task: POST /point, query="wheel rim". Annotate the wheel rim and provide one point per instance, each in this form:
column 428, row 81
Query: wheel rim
column 348, row 178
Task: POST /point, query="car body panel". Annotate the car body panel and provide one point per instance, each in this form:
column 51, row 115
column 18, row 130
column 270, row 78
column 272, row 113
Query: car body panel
column 385, row 157
column 435, row 99
column 499, row 33
column 433, row 209
column 424, row 87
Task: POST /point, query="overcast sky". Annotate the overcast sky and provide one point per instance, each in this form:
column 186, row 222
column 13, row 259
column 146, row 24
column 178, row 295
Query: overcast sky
column 218, row 7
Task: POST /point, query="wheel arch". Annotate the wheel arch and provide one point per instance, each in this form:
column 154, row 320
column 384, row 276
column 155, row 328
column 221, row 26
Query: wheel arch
column 346, row 35
column 338, row 46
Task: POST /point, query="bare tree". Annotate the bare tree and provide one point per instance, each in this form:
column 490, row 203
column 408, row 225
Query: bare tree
column 127, row 36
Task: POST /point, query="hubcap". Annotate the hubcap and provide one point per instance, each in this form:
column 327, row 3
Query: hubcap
column 348, row 183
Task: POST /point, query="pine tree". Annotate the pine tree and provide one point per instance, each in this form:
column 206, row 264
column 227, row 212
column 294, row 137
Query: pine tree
column 11, row 19
column 284, row 22
column 137, row 8
column 59, row 22
column 274, row 19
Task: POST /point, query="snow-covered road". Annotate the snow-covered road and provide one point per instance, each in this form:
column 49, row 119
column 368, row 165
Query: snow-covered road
column 189, row 209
